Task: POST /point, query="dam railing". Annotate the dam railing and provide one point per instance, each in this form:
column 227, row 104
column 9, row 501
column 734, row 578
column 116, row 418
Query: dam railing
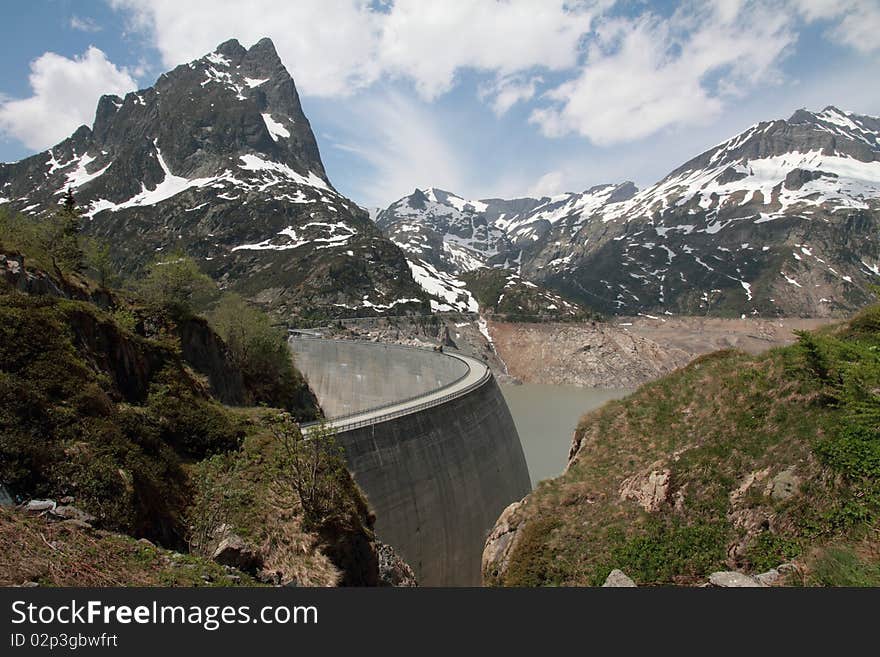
column 339, row 422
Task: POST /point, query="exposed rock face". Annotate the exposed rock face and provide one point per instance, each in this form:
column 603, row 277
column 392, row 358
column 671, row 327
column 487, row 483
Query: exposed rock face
column 393, row 570
column 628, row 351
column 500, row 543
column 205, row 351
column 779, row 220
column 589, row 355
column 218, row 158
column 649, row 490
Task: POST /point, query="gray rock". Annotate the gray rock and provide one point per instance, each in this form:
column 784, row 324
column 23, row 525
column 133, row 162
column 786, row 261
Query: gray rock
column 784, row 485
column 393, row 570
column 72, row 513
column 618, row 579
column 733, row 579
column 234, row 551
column 36, row 507
column 5, row 497
column 74, row 523
column 770, row 577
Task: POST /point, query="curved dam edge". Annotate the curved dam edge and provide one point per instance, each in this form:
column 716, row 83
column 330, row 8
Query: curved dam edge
column 437, row 477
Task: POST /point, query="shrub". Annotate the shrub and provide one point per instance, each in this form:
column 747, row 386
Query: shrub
column 261, row 352
column 312, row 468
column 174, row 285
column 195, row 427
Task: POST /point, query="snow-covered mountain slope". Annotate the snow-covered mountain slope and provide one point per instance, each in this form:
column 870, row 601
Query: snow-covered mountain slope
column 218, row 158
column 453, row 243
column 780, row 220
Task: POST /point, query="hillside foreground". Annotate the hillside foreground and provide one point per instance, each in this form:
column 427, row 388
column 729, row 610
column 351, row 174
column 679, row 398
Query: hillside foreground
column 734, row 462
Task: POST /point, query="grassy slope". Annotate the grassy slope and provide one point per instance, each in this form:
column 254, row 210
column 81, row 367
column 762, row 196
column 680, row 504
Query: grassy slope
column 723, row 428
column 93, row 410
column 59, row 554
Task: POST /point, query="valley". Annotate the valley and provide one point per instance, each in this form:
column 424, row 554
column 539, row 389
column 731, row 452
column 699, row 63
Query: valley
column 685, row 374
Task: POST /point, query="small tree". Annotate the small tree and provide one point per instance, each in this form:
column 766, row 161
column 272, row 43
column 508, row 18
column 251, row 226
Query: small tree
column 99, row 262
column 311, row 466
column 259, row 349
column 64, row 246
column 174, row 284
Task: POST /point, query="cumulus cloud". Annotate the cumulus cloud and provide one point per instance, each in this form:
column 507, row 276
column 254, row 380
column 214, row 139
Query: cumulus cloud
column 550, row 184
column 645, row 74
column 65, row 94
column 336, row 47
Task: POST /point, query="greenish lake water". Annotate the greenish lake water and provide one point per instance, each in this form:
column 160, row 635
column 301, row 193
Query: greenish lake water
column 546, row 416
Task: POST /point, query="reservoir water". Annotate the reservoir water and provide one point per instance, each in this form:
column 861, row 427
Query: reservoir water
column 546, row 417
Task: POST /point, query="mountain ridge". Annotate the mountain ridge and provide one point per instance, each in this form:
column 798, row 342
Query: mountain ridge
column 778, row 220
column 217, row 158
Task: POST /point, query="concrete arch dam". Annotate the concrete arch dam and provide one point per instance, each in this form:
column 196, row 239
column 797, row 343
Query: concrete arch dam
column 429, row 439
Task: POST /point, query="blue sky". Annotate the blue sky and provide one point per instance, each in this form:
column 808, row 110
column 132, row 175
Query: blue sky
column 483, row 98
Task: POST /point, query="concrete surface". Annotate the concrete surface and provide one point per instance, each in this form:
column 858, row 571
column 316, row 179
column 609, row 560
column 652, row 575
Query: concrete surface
column 348, row 376
column 437, row 477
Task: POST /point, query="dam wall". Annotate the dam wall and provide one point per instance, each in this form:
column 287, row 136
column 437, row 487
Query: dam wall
column 439, row 468
column 348, row 377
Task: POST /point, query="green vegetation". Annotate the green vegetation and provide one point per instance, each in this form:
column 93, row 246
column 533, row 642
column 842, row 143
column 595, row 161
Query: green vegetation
column 59, row 554
column 174, row 285
column 260, row 351
column 765, row 459
column 287, row 495
column 68, row 428
column 99, row 404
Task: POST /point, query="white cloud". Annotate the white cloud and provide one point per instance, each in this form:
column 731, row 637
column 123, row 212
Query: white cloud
column 65, row 94
column 429, row 42
column 647, row 74
column 550, row 184
column 84, row 24
column 405, row 148
column 857, row 22
column 328, row 45
column 336, row 47
column 508, row 91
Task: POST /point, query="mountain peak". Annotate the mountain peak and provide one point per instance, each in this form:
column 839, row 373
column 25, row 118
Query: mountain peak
column 232, row 49
column 264, row 47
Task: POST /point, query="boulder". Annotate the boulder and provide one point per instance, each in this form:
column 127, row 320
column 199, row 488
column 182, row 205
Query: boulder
column 36, row 507
column 784, row 485
column 770, row 577
column 72, row 513
column 618, row 579
column 732, row 579
column 234, row 551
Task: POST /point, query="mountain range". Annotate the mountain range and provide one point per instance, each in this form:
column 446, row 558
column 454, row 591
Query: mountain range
column 781, row 219
column 218, row 159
